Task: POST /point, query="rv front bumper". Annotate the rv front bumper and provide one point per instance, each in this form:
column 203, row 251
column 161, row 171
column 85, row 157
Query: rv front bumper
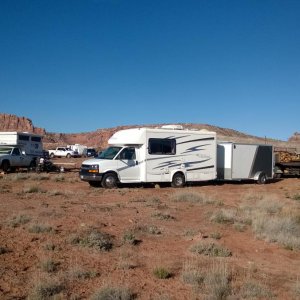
column 90, row 176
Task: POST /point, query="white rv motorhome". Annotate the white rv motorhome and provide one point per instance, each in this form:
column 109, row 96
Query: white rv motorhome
column 148, row 155
column 30, row 143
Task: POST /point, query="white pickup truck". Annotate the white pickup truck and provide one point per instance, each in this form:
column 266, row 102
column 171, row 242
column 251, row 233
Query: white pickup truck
column 12, row 157
column 63, row 152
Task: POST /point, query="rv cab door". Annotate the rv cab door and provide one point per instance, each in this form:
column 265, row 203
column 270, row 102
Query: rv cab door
column 128, row 167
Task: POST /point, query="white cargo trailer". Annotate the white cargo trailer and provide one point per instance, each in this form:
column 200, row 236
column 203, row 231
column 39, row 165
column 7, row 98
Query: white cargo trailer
column 148, row 155
column 237, row 161
column 29, row 143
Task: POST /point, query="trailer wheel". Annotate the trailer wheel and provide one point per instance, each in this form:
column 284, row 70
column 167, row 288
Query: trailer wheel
column 5, row 166
column 178, row 180
column 109, row 181
column 262, row 179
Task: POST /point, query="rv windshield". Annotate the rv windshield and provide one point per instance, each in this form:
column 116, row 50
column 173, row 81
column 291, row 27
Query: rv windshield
column 109, row 153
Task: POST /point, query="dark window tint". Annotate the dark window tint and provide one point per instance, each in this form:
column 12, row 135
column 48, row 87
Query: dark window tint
column 24, row 137
column 127, row 154
column 36, row 138
column 162, row 146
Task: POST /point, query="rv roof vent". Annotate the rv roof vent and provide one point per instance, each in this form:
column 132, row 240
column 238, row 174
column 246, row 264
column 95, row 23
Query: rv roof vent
column 174, row 127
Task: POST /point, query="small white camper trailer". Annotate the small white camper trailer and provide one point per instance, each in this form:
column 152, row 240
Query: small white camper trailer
column 30, row 143
column 148, row 155
column 237, row 161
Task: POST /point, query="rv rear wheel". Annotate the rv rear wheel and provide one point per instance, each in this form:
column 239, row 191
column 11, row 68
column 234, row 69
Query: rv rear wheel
column 109, row 181
column 262, row 179
column 178, row 180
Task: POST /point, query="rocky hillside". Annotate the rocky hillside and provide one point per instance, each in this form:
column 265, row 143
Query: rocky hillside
column 99, row 138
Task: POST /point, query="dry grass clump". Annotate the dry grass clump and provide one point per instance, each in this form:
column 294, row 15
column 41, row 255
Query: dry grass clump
column 46, row 289
column 224, row 216
column 113, row 293
column 19, row 176
column 163, row 216
column 188, row 197
column 192, row 273
column 94, row 239
column 19, row 220
column 79, row 273
column 49, row 266
column 210, row 249
column 32, row 189
column 255, row 290
column 161, row 273
column 40, row 228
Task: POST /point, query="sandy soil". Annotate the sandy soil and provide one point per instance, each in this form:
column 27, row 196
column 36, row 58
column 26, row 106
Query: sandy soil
column 49, row 225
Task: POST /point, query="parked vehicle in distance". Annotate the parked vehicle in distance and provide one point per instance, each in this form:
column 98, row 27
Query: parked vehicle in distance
column 89, row 152
column 151, row 155
column 30, row 143
column 63, row 152
column 287, row 162
column 13, row 157
column 78, row 148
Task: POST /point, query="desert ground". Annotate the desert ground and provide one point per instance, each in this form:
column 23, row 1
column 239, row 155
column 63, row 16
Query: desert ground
column 62, row 239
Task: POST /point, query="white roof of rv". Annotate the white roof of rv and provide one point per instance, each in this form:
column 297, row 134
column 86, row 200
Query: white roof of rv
column 19, row 132
column 137, row 136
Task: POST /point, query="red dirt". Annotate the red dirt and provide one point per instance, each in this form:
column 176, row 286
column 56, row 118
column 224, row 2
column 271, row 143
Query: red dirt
column 72, row 208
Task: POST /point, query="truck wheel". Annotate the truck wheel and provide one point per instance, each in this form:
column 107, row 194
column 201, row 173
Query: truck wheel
column 68, row 155
column 178, row 180
column 262, row 179
column 52, row 155
column 109, row 181
column 5, row 166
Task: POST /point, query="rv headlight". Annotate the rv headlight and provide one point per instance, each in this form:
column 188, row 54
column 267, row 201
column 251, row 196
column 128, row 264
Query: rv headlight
column 93, row 169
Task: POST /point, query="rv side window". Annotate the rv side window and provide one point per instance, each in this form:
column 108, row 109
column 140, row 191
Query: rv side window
column 162, row 146
column 36, row 139
column 23, row 137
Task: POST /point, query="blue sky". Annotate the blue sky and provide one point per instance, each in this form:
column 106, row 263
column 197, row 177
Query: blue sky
column 77, row 66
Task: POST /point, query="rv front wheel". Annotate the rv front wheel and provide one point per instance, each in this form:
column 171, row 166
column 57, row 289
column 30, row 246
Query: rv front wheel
column 109, row 181
column 178, row 180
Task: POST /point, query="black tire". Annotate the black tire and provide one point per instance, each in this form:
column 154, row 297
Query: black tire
column 262, row 179
column 178, row 180
column 52, row 155
column 95, row 183
column 109, row 181
column 5, row 166
column 68, row 155
column 32, row 165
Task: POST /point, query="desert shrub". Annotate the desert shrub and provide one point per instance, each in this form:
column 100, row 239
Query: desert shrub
column 129, row 237
column 224, row 216
column 192, row 273
column 32, row 189
column 282, row 229
column 217, row 282
column 39, row 228
column 50, row 247
column 59, row 178
column 19, row 220
column 49, row 266
column 210, row 249
column 20, row 176
column 269, row 206
column 94, row 239
column 215, row 235
column 296, row 197
column 3, row 250
column 113, row 293
column 81, row 274
column 161, row 273
column 163, row 216
column 254, row 290
column 188, row 197
column 46, row 290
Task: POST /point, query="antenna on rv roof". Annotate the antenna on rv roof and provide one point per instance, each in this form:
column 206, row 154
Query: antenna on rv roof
column 174, row 127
